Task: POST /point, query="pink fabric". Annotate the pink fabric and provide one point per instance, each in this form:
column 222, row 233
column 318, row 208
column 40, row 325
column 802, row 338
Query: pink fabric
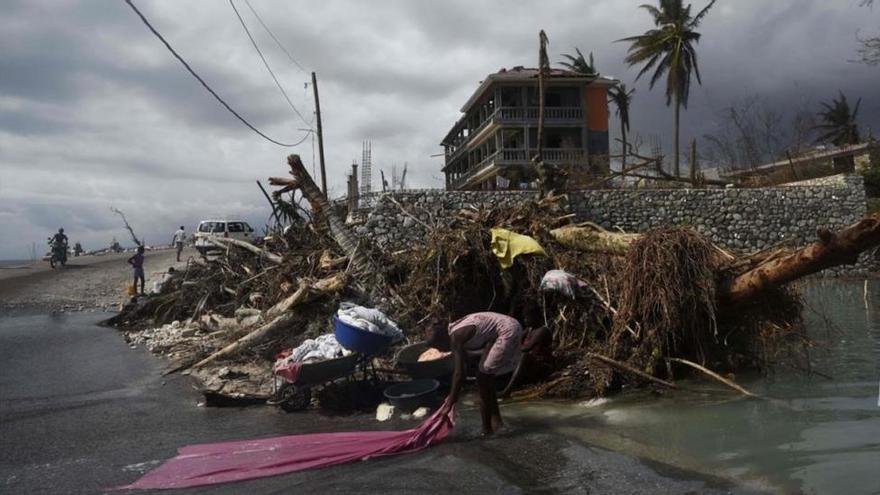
column 290, row 371
column 210, row 464
column 501, row 333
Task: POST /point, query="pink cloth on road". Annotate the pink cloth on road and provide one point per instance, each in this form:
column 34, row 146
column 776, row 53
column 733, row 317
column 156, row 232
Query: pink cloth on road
column 210, row 464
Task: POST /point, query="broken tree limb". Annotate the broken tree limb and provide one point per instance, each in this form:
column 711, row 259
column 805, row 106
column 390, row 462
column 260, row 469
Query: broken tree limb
column 592, row 240
column 715, row 376
column 831, row 249
column 343, row 236
column 630, row 369
column 226, row 241
column 331, row 284
column 305, row 293
column 127, row 226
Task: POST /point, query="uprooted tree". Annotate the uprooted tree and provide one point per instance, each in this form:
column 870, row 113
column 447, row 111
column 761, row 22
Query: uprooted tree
column 648, row 301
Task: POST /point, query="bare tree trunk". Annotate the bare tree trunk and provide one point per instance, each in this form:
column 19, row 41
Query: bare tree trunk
column 675, row 168
column 266, row 255
column 623, row 141
column 831, row 249
column 591, row 239
column 343, row 236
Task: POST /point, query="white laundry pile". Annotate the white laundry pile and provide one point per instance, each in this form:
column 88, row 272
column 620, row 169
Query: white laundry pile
column 369, row 319
column 318, row 349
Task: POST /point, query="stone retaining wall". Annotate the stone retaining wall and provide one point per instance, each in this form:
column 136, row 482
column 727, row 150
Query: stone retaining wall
column 743, row 220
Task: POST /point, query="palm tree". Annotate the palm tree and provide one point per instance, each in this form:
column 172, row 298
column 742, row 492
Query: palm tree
column 579, row 64
column 839, row 122
column 669, row 49
column 621, row 99
column 840, row 128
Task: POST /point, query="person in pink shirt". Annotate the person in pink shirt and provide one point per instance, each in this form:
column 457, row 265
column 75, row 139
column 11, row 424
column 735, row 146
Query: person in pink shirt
column 496, row 340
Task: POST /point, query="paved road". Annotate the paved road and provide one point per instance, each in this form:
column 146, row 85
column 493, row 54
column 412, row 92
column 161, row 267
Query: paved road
column 81, row 412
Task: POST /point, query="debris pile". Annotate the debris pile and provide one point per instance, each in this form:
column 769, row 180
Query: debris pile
column 641, row 302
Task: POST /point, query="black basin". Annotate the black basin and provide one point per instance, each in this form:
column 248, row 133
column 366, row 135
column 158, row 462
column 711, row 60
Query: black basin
column 409, row 396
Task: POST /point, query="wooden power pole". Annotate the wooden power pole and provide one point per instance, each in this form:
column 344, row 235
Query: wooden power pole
column 320, row 135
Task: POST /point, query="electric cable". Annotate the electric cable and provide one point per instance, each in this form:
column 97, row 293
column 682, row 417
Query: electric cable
column 260, row 19
column 266, row 63
column 205, row 85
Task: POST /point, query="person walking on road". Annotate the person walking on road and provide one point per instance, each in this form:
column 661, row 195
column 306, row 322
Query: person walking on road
column 137, row 263
column 178, row 240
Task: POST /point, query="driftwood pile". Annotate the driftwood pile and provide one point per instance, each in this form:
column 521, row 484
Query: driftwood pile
column 651, row 304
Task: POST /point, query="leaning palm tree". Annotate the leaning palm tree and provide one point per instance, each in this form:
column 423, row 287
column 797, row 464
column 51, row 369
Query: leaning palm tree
column 579, row 64
column 839, row 125
column 669, row 49
column 621, row 97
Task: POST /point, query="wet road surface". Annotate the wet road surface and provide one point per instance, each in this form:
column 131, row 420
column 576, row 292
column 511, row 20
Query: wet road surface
column 81, row 412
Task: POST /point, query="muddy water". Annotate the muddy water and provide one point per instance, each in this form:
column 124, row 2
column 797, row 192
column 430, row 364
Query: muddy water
column 821, row 436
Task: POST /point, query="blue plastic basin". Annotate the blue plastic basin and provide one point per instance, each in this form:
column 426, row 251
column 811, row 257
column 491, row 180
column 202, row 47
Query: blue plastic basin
column 358, row 340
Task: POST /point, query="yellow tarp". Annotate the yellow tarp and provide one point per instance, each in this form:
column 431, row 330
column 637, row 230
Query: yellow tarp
column 507, row 245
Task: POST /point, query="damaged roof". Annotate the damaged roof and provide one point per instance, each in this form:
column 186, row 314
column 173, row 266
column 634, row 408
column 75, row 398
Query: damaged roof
column 524, row 74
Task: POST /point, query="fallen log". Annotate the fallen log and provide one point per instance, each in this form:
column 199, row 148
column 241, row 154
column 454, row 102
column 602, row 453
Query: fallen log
column 832, row 249
column 330, row 284
column 305, row 293
column 590, row 239
column 343, row 236
column 266, row 255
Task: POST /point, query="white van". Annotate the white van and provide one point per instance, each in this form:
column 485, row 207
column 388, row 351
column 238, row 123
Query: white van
column 233, row 229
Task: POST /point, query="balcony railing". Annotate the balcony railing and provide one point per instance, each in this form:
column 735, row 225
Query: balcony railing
column 519, row 114
column 509, row 115
column 562, row 156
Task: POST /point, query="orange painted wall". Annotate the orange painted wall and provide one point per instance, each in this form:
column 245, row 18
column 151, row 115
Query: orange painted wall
column 597, row 108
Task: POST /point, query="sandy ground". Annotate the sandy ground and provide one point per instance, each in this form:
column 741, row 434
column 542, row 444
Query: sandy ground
column 86, row 283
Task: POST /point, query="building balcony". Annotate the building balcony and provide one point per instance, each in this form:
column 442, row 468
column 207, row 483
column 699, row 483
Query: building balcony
column 505, row 158
column 525, row 116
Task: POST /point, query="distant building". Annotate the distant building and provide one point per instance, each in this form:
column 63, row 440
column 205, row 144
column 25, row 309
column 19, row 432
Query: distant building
column 491, row 146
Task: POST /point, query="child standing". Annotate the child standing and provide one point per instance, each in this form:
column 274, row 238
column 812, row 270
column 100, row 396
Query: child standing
column 137, row 263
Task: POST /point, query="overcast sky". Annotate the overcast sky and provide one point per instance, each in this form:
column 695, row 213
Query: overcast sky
column 94, row 112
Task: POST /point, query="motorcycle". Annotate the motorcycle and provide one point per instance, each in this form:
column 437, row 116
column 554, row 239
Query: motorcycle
column 58, row 254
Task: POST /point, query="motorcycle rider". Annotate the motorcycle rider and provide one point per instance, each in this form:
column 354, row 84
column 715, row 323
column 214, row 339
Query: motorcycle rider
column 59, row 243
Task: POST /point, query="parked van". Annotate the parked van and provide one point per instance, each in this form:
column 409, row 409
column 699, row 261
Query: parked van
column 233, row 229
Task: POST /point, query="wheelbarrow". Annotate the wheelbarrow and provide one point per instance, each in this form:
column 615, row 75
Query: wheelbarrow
column 296, row 395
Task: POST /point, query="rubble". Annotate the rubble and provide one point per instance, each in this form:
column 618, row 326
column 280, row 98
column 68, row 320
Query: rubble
column 644, row 302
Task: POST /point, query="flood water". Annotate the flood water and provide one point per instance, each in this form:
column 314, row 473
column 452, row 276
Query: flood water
column 80, row 412
column 822, row 435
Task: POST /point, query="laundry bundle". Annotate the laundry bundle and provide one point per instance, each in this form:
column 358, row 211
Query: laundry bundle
column 369, row 319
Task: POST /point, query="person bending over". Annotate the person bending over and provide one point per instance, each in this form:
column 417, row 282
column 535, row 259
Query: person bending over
column 494, row 338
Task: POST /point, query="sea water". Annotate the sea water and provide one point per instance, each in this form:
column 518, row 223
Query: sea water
column 820, row 435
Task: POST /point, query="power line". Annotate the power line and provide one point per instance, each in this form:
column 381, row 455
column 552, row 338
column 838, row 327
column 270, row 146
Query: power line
column 273, row 36
column 202, row 81
column 265, row 63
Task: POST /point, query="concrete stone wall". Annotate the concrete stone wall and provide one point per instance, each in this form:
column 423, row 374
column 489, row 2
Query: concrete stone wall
column 742, row 220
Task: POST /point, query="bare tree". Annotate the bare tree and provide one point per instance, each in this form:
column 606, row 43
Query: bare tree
column 869, row 51
column 752, row 131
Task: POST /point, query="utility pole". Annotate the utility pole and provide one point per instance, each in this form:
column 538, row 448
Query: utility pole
column 320, row 135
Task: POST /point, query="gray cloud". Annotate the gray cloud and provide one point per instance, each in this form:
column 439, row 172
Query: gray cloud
column 95, row 112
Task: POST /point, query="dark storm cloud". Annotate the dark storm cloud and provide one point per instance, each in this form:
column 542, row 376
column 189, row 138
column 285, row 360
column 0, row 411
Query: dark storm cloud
column 95, row 112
